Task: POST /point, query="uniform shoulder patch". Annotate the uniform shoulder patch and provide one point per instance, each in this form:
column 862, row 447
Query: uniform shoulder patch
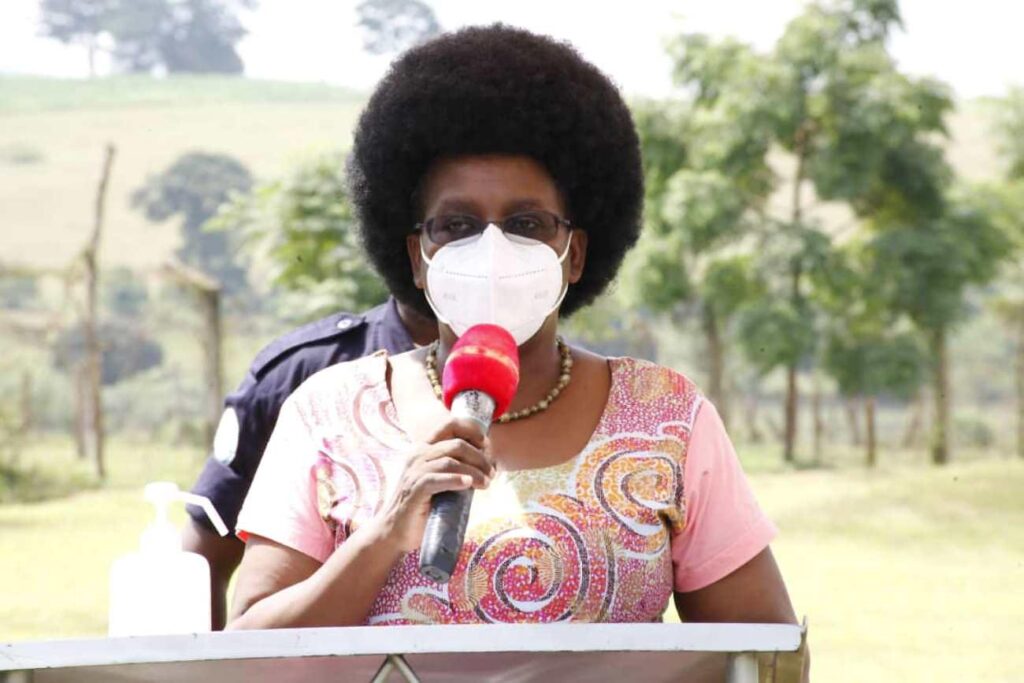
column 225, row 440
column 326, row 328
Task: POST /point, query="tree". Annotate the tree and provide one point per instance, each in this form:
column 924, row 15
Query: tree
column 391, row 26
column 706, row 179
column 179, row 36
column 302, row 228
column 1008, row 199
column 925, row 269
column 194, row 187
column 182, row 36
column 77, row 22
column 868, row 351
column 857, row 131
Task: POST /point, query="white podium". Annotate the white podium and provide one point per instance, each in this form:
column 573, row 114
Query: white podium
column 506, row 653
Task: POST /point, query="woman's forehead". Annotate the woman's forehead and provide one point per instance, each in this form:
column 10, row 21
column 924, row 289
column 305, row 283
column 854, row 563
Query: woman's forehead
column 490, row 181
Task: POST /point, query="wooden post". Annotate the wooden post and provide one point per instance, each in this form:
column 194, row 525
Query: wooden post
column 27, row 413
column 872, row 441
column 942, row 397
column 819, row 421
column 1019, row 384
column 92, row 416
column 207, row 291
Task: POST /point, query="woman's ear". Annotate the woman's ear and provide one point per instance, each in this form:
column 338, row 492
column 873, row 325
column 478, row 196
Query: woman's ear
column 577, row 255
column 419, row 271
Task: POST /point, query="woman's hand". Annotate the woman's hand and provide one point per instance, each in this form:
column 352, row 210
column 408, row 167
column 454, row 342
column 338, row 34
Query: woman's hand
column 452, row 459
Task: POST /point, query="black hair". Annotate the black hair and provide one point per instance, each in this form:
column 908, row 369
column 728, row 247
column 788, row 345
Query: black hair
column 498, row 90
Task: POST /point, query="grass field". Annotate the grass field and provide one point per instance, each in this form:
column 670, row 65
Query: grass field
column 905, row 573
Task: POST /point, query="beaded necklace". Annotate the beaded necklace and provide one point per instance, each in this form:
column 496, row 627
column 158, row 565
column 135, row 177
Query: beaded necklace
column 430, row 364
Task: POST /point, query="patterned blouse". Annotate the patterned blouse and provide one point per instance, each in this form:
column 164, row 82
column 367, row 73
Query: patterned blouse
column 655, row 503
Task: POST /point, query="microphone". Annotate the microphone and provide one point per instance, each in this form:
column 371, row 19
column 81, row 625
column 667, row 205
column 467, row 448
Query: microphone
column 479, row 381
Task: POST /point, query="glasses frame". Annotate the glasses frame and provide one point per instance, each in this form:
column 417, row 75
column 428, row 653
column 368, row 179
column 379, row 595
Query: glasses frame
column 423, row 227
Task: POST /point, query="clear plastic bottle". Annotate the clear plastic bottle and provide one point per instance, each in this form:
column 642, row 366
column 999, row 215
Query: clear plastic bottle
column 162, row 589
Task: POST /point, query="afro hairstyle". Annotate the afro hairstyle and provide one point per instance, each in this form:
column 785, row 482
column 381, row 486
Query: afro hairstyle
column 498, row 90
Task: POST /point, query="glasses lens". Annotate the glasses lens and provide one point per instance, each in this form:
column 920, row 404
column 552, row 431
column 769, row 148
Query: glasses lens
column 448, row 228
column 535, row 225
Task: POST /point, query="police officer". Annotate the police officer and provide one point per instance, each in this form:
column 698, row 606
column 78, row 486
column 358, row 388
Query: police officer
column 251, row 412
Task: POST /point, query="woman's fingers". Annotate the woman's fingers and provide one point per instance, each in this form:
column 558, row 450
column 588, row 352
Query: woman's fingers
column 436, row 482
column 479, row 478
column 460, row 450
column 459, row 428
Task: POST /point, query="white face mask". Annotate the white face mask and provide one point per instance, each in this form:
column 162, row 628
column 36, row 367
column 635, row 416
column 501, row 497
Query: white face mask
column 491, row 278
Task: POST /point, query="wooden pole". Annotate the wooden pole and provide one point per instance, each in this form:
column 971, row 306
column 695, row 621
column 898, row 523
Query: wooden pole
column 93, row 375
column 207, row 291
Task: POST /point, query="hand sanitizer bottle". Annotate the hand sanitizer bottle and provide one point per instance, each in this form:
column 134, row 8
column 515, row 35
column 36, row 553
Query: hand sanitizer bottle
column 162, row 589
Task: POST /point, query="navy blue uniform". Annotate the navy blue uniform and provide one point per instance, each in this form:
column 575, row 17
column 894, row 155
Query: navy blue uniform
column 250, row 413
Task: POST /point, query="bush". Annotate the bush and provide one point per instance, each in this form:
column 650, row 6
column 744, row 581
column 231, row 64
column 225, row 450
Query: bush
column 18, row 292
column 126, row 352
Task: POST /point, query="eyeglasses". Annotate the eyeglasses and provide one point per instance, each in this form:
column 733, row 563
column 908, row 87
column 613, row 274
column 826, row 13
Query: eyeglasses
column 535, row 225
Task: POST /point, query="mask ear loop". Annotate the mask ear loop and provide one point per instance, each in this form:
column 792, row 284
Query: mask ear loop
column 565, row 290
column 426, row 291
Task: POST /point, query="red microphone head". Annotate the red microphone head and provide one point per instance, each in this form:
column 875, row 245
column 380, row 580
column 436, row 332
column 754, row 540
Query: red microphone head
column 486, row 359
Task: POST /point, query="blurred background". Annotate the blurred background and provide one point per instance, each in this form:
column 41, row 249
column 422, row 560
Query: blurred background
column 832, row 250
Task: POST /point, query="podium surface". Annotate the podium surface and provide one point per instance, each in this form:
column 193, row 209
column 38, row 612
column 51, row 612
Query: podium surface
column 509, row 653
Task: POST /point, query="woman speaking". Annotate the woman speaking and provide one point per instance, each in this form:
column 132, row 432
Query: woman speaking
column 497, row 177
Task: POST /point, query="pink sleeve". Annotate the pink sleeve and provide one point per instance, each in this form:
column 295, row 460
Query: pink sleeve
column 724, row 528
column 282, row 503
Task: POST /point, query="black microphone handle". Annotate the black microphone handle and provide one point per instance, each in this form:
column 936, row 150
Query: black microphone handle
column 449, row 510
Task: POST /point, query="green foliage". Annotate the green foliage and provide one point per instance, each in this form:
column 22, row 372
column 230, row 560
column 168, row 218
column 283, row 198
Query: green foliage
column 75, row 21
column 391, row 26
column 18, row 291
column 873, row 365
column 123, row 293
column 303, row 229
column 729, row 283
column 21, row 154
column 194, row 187
column 774, row 333
column 1010, row 128
column 926, row 268
column 125, row 352
column 180, row 36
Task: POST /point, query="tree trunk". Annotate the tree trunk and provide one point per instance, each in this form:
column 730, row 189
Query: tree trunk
column 940, row 430
column 853, row 419
column 93, row 405
column 752, row 403
column 819, row 422
column 716, row 363
column 78, row 420
column 792, row 390
column 789, row 435
column 872, row 441
column 914, row 422
column 28, row 417
column 91, row 49
column 1020, row 388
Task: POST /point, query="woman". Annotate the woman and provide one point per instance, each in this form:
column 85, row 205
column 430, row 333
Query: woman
column 497, row 177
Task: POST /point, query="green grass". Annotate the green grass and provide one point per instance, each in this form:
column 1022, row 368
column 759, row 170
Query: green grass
column 21, row 94
column 908, row 572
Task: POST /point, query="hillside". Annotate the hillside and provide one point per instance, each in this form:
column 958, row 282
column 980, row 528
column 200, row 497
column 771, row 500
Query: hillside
column 52, row 134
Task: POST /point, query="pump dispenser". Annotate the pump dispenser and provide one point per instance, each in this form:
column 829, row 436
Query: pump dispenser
column 161, row 588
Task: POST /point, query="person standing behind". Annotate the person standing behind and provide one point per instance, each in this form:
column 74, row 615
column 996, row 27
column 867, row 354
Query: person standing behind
column 251, row 411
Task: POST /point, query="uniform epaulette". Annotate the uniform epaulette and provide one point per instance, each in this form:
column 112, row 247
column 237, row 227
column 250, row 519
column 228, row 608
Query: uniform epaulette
column 326, row 328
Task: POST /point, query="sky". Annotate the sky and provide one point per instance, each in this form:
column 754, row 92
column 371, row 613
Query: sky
column 974, row 46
